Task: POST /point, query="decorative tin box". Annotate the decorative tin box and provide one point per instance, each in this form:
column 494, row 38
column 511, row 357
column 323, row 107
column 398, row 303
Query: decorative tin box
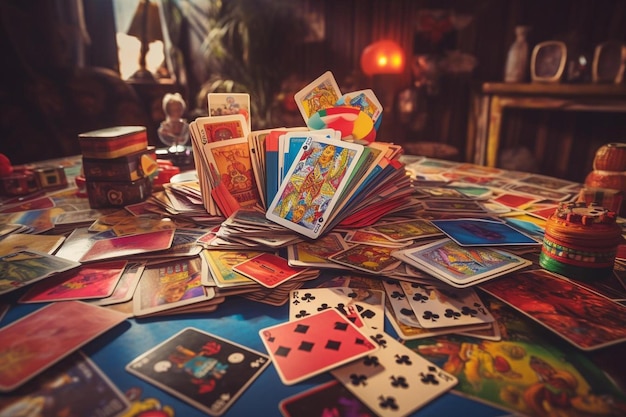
column 103, row 194
column 113, row 142
column 125, row 168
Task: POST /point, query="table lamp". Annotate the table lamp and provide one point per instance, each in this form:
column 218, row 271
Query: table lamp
column 146, row 26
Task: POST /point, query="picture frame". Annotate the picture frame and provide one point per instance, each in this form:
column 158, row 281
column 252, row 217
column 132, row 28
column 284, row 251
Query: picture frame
column 547, row 63
column 609, row 60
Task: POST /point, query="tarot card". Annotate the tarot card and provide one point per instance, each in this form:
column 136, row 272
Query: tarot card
column 96, row 280
column 550, row 183
column 314, row 344
column 221, row 262
column 364, row 100
column 78, row 217
column 16, row 242
column 405, row 230
column 225, row 104
column 205, row 370
column 388, row 379
column 34, row 204
column 168, row 285
column 22, row 268
column 218, row 128
column 373, row 238
column 584, row 318
column 444, row 306
column 67, row 388
column 539, row 192
column 129, row 245
column 516, row 201
column 141, row 224
column 38, row 340
column 482, row 232
column 367, row 258
column 315, row 253
column 458, row 206
column 231, row 163
column 330, row 398
column 314, row 185
column 267, row 269
column 126, row 286
column 459, row 266
column 320, row 94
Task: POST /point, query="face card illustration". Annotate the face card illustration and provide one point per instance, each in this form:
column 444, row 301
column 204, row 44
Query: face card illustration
column 267, row 269
column 97, row 280
column 314, row 344
column 331, row 398
column 68, row 388
column 388, row 380
column 320, row 94
column 314, row 184
column 42, row 338
column 26, row 267
column 200, row 368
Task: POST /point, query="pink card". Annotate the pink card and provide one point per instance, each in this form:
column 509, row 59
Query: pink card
column 35, row 342
column 315, row 344
column 267, row 269
column 97, row 280
column 129, row 245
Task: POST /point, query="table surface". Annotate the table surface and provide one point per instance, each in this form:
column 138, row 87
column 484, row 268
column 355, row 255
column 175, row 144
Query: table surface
column 238, row 320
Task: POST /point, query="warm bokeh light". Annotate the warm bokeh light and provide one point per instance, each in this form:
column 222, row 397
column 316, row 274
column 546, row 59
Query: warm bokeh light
column 382, row 57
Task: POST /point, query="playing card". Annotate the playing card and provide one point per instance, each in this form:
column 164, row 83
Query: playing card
column 483, row 232
column 314, row 184
column 122, row 246
column 73, row 387
column 26, row 267
column 458, row 266
column 220, row 263
column 267, row 269
column 321, row 93
column 203, row 369
column 444, row 306
column 40, row 339
column 315, row 253
column 223, row 104
column 394, row 380
column 218, row 128
column 314, row 344
column 331, row 399
column 367, row 258
column 126, row 286
column 96, row 280
column 169, row 285
column 582, row 317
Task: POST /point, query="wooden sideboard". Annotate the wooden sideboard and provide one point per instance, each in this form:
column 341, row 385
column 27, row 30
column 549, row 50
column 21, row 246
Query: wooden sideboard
column 489, row 105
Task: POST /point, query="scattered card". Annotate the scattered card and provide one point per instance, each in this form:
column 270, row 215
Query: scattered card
column 267, row 269
column 122, row 246
column 200, row 368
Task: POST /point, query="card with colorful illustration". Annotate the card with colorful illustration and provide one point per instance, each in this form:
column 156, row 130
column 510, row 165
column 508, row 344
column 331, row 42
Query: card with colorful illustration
column 226, row 104
column 312, row 345
column 268, row 269
column 23, row 268
column 218, row 128
column 367, row 258
column 122, row 246
column 96, row 280
column 315, row 253
column 67, row 388
column 320, row 94
column 405, row 230
column 221, row 262
column 461, row 266
column 364, row 100
column 584, row 318
column 16, row 242
column 126, row 286
column 483, row 232
column 38, row 340
column 201, row 368
column 314, row 185
column 169, row 285
column 388, row 380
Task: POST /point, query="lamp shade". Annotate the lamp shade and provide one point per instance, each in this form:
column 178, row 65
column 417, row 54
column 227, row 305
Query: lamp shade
column 382, row 57
column 146, row 23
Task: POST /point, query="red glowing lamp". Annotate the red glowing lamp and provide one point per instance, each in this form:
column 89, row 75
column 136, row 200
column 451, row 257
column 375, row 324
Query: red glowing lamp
column 382, row 57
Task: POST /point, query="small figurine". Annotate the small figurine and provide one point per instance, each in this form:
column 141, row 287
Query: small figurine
column 174, row 130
